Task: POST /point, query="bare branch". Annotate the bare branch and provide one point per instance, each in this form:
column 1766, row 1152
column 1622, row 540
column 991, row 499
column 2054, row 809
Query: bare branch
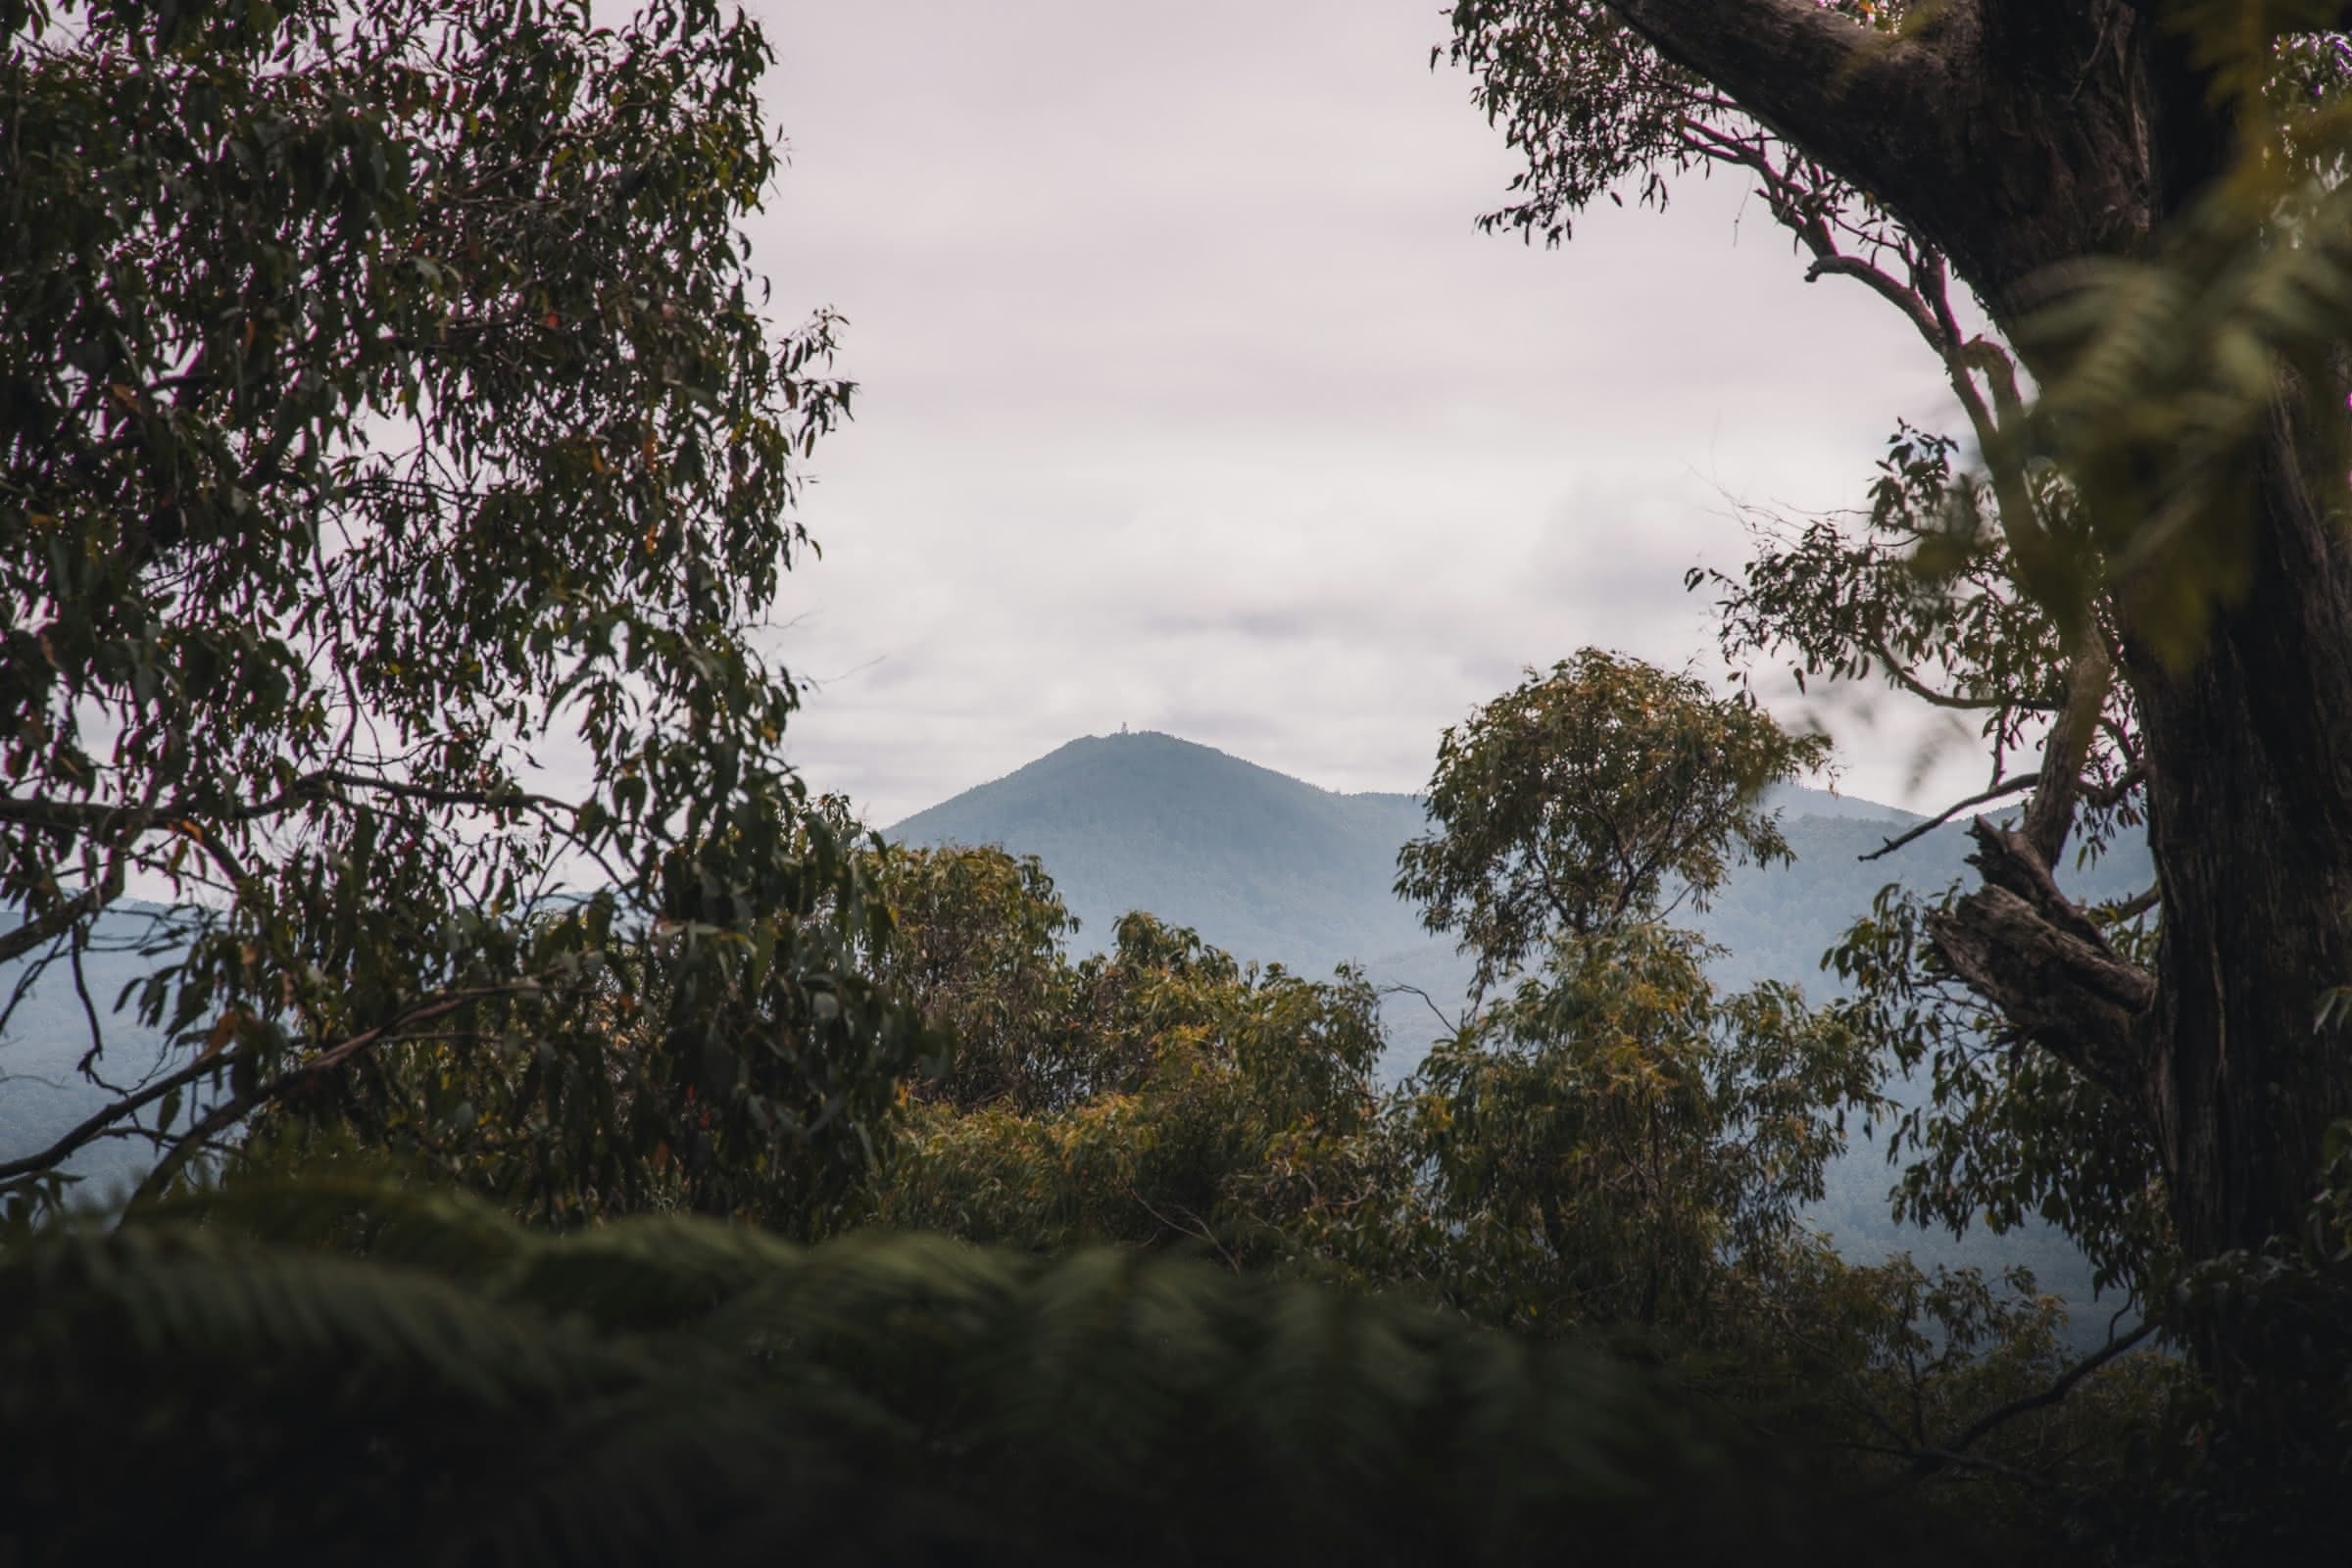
column 1931, row 1461
column 74, row 816
column 57, row 922
column 315, row 785
column 1908, row 682
column 189, row 1145
column 92, row 817
column 1451, row 1025
column 1877, row 280
column 2005, row 788
column 98, row 1122
column 2050, row 815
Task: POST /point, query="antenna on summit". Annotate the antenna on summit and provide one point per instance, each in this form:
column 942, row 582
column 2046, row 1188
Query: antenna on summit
column 1123, row 726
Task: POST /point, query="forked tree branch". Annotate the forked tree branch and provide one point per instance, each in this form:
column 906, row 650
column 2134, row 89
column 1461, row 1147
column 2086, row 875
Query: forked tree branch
column 98, row 1122
column 57, row 922
column 102, row 1122
column 2023, row 946
column 2000, row 791
column 1807, row 72
column 2050, row 813
column 1931, row 1461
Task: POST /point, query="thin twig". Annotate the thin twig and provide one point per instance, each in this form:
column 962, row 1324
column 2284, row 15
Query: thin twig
column 48, row 927
column 131, row 1105
column 217, row 1121
column 1930, row 1460
column 2012, row 786
column 99, row 1120
column 334, row 1056
column 1453, row 1025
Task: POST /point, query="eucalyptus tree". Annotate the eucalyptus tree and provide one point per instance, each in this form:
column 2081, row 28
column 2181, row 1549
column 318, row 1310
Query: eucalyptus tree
column 2145, row 199
column 1607, row 1139
column 386, row 402
column 1601, row 793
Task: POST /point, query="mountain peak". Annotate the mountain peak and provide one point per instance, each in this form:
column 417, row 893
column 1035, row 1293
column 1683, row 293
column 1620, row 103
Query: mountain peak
column 1199, row 837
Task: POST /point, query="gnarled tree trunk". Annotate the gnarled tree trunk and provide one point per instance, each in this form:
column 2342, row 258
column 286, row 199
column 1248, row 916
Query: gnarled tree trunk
column 2250, row 818
column 2017, row 136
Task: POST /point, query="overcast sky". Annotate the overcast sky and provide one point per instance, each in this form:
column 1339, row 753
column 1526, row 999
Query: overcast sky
column 1191, row 398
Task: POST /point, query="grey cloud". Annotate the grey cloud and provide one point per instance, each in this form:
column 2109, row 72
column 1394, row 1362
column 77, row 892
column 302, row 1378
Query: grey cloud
column 1191, row 398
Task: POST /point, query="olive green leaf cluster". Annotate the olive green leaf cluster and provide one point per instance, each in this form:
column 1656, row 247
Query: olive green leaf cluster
column 625, row 1113
column 386, row 406
column 977, row 945
column 1614, row 1143
column 1159, row 1095
column 2006, row 1130
column 342, row 1365
column 1607, row 1139
column 1602, row 793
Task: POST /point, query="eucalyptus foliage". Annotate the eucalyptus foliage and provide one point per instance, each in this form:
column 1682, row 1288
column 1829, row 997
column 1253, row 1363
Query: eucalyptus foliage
column 1161, row 1095
column 1613, row 1143
column 1920, row 595
column 387, row 406
column 1602, row 793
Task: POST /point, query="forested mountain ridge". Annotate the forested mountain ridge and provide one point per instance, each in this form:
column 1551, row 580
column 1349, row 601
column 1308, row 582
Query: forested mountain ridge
column 1273, row 868
column 1262, row 864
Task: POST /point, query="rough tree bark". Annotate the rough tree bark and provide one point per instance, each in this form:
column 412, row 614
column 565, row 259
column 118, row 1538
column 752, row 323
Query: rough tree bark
column 2017, row 136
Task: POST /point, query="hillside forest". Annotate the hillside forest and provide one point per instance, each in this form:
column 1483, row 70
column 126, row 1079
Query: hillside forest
column 679, row 1169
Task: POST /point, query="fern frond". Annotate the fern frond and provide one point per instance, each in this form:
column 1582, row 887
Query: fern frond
column 665, row 1389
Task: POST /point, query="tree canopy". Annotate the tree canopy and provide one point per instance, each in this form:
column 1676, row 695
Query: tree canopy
column 1605, row 792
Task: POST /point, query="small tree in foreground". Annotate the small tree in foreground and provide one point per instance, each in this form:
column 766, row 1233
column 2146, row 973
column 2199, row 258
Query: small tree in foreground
column 1163, row 1094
